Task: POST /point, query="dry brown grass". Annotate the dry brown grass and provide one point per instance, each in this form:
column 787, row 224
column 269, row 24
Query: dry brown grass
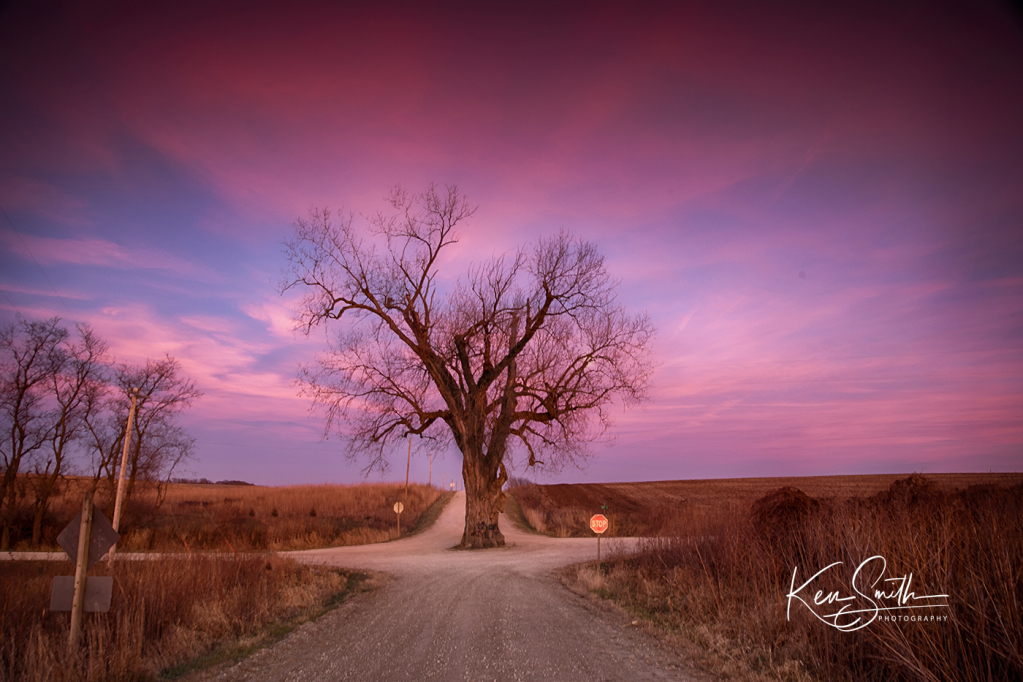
column 718, row 587
column 657, row 507
column 196, row 517
column 164, row 613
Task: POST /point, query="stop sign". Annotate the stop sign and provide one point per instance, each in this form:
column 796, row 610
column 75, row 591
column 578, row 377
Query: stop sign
column 598, row 523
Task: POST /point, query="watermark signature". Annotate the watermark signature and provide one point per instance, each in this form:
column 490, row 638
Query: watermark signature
column 872, row 597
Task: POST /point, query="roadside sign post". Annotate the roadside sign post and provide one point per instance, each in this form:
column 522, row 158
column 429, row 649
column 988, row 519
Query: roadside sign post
column 398, row 509
column 598, row 524
column 86, row 539
column 81, row 568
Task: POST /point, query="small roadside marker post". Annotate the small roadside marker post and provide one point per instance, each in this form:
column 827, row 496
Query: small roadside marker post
column 86, row 539
column 81, row 568
column 398, row 509
column 598, row 524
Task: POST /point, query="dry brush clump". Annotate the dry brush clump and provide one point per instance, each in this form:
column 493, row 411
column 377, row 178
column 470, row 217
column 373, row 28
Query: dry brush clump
column 564, row 510
column 541, row 514
column 163, row 613
column 721, row 587
column 193, row 517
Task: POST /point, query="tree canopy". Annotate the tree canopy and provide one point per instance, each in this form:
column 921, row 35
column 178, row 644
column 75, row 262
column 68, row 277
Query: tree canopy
column 529, row 350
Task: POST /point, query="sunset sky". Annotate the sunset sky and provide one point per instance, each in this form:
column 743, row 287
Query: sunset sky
column 820, row 208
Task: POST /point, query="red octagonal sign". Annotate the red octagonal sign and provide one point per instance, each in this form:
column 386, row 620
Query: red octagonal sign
column 598, row 523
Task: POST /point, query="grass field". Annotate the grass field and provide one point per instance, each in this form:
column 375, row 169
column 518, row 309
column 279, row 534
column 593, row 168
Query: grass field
column 171, row 614
column 716, row 578
column 197, row 517
column 166, row 616
column 659, row 507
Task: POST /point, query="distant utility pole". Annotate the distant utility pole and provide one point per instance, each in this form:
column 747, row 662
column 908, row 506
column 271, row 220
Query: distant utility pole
column 124, row 459
column 409, row 464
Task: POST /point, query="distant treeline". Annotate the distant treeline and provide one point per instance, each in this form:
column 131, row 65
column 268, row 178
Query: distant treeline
column 209, row 482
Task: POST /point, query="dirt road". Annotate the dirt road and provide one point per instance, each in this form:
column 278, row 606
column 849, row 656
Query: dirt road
column 455, row 615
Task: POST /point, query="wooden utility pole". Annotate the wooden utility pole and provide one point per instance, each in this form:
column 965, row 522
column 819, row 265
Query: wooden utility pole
column 430, row 480
column 81, row 568
column 408, row 465
column 124, row 459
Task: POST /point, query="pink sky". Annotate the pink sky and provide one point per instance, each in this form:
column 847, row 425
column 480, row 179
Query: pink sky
column 820, row 209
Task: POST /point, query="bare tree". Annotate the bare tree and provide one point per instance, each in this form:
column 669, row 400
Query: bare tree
column 528, row 351
column 73, row 388
column 30, row 354
column 157, row 444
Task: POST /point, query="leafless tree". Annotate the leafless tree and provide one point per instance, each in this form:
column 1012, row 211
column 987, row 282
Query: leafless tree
column 157, row 444
column 73, row 388
column 30, row 353
column 528, row 351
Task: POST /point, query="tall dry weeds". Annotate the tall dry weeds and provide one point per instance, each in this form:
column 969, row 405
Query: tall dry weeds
column 163, row 612
column 721, row 585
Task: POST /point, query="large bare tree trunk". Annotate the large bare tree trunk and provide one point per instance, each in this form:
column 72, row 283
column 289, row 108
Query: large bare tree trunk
column 484, row 500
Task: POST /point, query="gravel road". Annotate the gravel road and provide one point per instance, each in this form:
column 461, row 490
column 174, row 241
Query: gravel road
column 442, row 614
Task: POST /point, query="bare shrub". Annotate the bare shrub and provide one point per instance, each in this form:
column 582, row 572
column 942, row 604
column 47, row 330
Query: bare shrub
column 782, row 511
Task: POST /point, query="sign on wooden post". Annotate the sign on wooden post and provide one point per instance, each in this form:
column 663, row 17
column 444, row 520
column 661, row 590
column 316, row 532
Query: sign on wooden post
column 86, row 539
column 598, row 524
column 101, row 537
column 398, row 509
column 98, row 590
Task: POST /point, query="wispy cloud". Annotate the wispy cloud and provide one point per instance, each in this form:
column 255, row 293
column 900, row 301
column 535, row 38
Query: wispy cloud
column 819, row 211
column 94, row 252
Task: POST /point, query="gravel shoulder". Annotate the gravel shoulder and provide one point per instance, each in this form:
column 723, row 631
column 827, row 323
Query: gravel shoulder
column 444, row 614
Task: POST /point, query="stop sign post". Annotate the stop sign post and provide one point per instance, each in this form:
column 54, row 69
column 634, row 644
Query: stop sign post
column 598, row 524
column 398, row 509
